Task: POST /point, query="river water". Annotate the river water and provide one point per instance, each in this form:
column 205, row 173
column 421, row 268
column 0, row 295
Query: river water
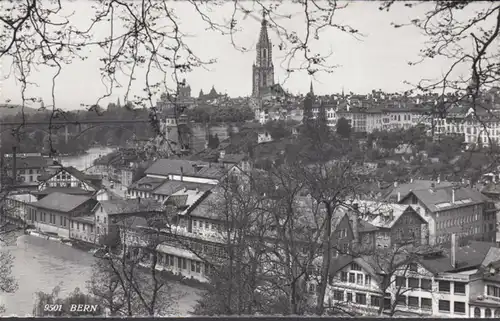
column 41, row 265
column 85, row 161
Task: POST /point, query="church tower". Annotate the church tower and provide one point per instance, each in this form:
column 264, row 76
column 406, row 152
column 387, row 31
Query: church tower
column 263, row 68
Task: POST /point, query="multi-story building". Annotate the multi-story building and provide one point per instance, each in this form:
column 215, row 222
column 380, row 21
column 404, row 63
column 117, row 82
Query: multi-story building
column 399, row 191
column 82, row 229
column 169, row 175
column 476, row 127
column 484, row 293
column 451, row 210
column 432, row 283
column 395, row 118
column 16, row 207
column 108, row 212
column 68, row 180
column 54, row 213
column 392, row 224
column 28, row 166
column 188, row 236
column 366, row 120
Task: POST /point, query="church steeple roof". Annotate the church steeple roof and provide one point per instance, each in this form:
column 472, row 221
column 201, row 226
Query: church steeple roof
column 263, row 37
column 311, row 90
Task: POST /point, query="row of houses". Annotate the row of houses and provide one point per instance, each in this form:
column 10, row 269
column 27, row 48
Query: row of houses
column 458, row 283
column 72, row 205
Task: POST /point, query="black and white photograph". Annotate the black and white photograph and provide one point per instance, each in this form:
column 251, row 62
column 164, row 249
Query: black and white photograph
column 217, row 158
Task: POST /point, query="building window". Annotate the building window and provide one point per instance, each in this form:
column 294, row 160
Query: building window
column 413, row 283
column 91, row 229
column 352, row 278
column 459, row 287
column 193, row 268
column 444, row 305
column 375, row 300
column 64, row 221
column 77, row 226
column 444, row 286
column 104, row 219
column 487, row 313
column 72, row 224
column 355, row 267
column 368, row 279
column 359, row 279
column 343, row 276
column 184, row 263
column 400, row 281
column 413, row 267
column 401, row 300
column 426, row 284
column 426, row 304
column 349, row 297
column 361, row 298
column 338, row 295
column 413, row 301
column 83, row 227
column 477, row 313
column 459, row 307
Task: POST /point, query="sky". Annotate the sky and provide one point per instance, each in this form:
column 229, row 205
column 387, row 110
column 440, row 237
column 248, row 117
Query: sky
column 378, row 60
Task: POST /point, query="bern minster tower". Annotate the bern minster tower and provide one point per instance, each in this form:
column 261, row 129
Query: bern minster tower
column 263, row 68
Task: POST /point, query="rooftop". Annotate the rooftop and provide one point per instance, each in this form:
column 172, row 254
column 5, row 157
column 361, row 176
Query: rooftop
column 405, row 188
column 165, row 167
column 61, row 202
column 381, row 214
column 147, row 184
column 29, row 162
column 64, row 190
column 130, row 206
column 439, row 199
column 169, row 187
column 469, row 256
column 185, row 199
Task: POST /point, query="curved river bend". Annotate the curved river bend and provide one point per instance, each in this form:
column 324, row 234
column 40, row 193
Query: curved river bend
column 41, row 265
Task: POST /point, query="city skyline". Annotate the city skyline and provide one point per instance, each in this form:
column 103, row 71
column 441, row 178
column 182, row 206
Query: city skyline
column 379, row 60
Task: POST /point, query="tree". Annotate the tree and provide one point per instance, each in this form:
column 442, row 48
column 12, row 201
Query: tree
column 465, row 34
column 343, row 127
column 135, row 267
column 7, row 282
column 106, row 287
column 235, row 276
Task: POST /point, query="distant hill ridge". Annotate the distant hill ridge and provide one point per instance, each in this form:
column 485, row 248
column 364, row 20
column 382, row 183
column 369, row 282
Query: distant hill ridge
column 12, row 110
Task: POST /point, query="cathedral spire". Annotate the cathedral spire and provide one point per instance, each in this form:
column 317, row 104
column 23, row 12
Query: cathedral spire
column 263, row 37
column 311, row 90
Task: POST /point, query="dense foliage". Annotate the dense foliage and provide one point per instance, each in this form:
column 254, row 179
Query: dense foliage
column 220, row 114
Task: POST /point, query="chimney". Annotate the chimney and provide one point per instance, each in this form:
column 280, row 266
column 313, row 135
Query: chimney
column 399, row 197
column 453, row 250
column 14, row 165
column 182, row 174
column 453, row 195
column 355, row 222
